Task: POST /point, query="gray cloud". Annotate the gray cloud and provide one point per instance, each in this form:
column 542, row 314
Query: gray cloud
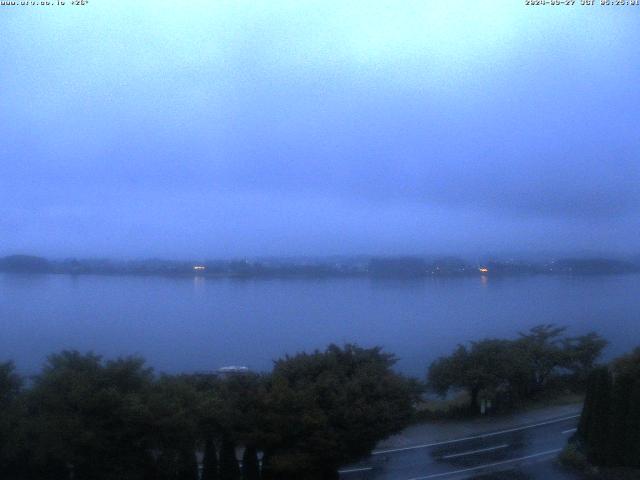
column 282, row 130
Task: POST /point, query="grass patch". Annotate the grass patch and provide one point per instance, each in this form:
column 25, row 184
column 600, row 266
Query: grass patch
column 456, row 406
column 435, row 408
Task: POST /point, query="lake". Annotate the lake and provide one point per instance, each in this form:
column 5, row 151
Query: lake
column 201, row 324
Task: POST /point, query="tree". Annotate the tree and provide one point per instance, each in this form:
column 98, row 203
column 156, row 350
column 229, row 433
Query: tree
column 231, row 411
column 620, row 405
column 240, row 408
column 89, row 418
column 187, row 464
column 229, row 468
column 250, row 467
column 609, row 425
column 581, row 354
column 329, row 408
column 207, row 410
column 632, row 452
column 625, row 425
column 508, row 371
column 447, row 372
column 542, row 347
column 173, row 407
column 210, row 461
column 598, row 432
column 492, row 368
column 586, row 417
column 10, row 386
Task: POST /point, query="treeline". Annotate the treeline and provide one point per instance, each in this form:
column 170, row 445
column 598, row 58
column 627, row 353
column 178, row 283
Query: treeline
column 86, row 418
column 374, row 267
column 212, row 268
column 500, row 374
column 83, row 417
column 609, row 429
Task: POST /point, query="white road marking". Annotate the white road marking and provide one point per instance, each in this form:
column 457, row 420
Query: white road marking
column 488, row 449
column 484, row 435
column 488, row 465
column 571, row 430
column 353, row 470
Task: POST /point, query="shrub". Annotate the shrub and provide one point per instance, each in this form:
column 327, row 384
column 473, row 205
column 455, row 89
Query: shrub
column 572, row 457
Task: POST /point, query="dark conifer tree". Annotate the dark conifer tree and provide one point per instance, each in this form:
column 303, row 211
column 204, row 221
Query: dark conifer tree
column 210, row 461
column 632, row 452
column 250, row 468
column 586, row 418
column 266, row 472
column 620, row 397
column 229, row 468
column 187, row 465
column 599, row 429
column 166, row 466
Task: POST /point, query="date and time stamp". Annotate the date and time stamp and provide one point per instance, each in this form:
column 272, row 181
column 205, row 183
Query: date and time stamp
column 529, row 3
column 44, row 3
column 584, row 3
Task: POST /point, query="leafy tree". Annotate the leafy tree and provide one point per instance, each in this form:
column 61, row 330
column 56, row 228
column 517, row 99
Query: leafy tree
column 490, row 368
column 581, row 354
column 542, row 347
column 10, row 384
column 187, row 465
column 447, row 372
column 240, row 408
column 508, row 371
column 329, row 408
column 173, row 407
column 208, row 410
column 231, row 411
column 88, row 418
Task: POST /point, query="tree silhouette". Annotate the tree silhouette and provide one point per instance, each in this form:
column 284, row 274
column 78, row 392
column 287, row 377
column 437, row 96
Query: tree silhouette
column 210, row 461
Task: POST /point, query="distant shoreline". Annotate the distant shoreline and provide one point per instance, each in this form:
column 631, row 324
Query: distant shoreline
column 375, row 268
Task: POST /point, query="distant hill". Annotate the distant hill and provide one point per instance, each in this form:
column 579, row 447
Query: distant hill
column 398, row 267
column 587, row 266
column 376, row 267
column 25, row 264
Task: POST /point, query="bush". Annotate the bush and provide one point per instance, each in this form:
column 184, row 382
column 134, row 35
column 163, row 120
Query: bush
column 572, row 457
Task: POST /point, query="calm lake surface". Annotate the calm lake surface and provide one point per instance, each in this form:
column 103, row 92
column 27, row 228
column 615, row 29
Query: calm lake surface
column 187, row 324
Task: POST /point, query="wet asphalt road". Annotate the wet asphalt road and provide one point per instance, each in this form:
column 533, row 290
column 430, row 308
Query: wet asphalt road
column 521, row 450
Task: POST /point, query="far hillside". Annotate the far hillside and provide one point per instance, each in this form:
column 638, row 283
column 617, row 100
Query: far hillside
column 25, row 263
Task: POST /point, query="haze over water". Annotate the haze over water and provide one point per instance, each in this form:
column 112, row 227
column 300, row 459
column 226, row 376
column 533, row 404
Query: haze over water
column 199, row 324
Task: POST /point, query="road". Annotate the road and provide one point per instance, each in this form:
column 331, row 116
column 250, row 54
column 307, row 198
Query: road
column 519, row 448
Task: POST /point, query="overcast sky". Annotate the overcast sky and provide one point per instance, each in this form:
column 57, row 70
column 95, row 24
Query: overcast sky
column 219, row 129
